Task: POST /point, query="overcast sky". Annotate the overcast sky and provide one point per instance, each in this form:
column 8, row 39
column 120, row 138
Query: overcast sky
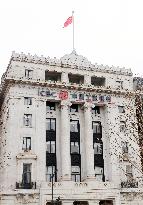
column 108, row 32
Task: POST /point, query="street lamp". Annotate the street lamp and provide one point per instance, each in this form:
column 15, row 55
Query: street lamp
column 57, row 201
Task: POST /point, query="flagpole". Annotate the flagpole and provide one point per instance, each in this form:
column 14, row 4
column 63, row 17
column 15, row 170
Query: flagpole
column 73, row 27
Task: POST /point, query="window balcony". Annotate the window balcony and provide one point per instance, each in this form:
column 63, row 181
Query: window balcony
column 22, row 185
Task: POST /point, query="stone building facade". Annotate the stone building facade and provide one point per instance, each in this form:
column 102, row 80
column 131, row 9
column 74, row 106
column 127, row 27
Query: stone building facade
column 71, row 122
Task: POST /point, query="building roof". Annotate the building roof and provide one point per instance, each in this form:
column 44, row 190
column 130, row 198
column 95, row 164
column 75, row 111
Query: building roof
column 72, row 60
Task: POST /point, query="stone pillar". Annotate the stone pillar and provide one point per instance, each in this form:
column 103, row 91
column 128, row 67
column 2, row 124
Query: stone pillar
column 93, row 202
column 65, row 141
column 114, row 142
column 87, row 80
column 64, row 77
column 89, row 151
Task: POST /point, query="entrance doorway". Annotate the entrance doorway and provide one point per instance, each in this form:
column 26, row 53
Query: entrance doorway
column 106, row 202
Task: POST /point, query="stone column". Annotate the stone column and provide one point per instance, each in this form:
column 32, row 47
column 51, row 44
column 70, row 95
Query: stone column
column 93, row 202
column 64, row 77
column 65, row 141
column 89, row 152
column 87, row 80
column 112, row 133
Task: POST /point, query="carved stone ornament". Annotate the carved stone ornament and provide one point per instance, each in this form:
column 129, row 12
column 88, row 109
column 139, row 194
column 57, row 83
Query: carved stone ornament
column 88, row 105
column 72, row 60
column 26, row 198
column 66, row 103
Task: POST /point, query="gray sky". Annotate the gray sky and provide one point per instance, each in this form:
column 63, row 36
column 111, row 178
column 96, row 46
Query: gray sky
column 108, row 32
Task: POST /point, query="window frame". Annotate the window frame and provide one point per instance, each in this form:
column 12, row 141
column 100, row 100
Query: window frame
column 27, row 172
column 121, row 109
column 53, row 76
column 50, row 146
column 26, row 148
column 50, row 119
column 49, row 175
column 100, row 127
column 96, row 111
column 125, row 147
column 26, row 101
column 122, row 124
column 78, row 147
column 50, row 106
column 78, row 128
column 72, row 108
column 28, row 73
column 27, row 121
column 119, row 84
column 76, row 174
column 99, row 148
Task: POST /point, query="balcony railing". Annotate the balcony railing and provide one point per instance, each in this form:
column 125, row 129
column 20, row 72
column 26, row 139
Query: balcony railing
column 129, row 184
column 22, row 185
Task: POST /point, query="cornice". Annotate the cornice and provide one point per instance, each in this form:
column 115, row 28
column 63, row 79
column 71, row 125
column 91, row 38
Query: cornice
column 72, row 60
column 65, row 86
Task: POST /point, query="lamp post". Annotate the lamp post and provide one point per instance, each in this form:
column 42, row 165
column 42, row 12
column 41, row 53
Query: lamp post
column 52, row 183
column 57, row 202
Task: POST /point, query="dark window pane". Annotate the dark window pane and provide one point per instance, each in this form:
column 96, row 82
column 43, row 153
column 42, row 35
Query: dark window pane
column 74, row 108
column 50, row 106
column 96, row 110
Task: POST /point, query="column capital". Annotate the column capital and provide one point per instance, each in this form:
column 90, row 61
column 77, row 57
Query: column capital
column 88, row 105
column 65, row 103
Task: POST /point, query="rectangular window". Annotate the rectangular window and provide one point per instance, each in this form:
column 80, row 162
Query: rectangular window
column 27, row 101
column 74, row 108
column 121, row 109
column 74, row 126
column 77, row 79
column 26, row 174
column 50, row 173
column 74, row 147
column 96, row 126
column 122, row 126
column 129, row 170
column 27, row 120
column 28, row 73
column 119, row 84
column 75, row 173
column 52, row 76
column 98, row 81
column 124, row 147
column 26, row 143
column 97, row 148
column 99, row 173
column 50, row 146
column 96, row 110
column 50, row 106
column 50, row 124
